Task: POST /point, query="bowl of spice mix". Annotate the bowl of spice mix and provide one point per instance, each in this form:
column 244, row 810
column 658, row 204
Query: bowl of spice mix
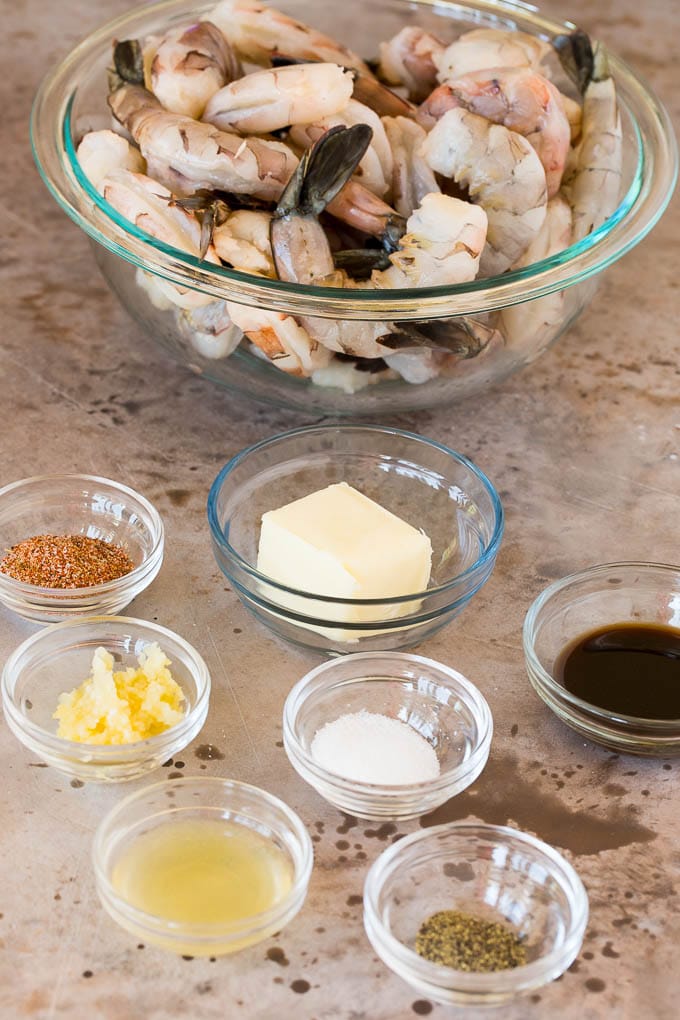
column 386, row 734
column 75, row 545
column 105, row 698
column 347, row 538
column 474, row 914
column 602, row 650
column 202, row 867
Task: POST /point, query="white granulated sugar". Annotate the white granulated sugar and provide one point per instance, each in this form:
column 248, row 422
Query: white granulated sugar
column 373, row 748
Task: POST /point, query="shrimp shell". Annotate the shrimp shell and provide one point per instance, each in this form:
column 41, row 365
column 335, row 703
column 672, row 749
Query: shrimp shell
column 502, row 173
column 409, row 58
column 190, row 64
column 490, row 47
column 258, row 31
column 278, row 97
column 187, row 155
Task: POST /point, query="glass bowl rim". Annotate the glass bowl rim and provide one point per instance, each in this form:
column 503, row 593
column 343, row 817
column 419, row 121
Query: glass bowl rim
column 561, row 870
column 648, row 194
column 37, row 592
column 662, row 727
column 103, row 754
column 488, row 554
column 464, row 688
column 210, row 930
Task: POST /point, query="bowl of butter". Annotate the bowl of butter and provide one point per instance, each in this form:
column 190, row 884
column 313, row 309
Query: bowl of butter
column 105, row 698
column 342, row 538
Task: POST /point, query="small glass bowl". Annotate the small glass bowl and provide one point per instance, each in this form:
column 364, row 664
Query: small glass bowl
column 437, row 701
column 600, row 596
column 204, row 798
column 421, row 481
column 59, row 658
column 490, row 871
column 79, row 505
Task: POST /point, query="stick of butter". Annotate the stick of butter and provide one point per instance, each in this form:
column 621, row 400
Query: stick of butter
column 338, row 542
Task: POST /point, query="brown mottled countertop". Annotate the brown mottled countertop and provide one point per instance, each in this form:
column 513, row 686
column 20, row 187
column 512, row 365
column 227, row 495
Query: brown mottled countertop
column 585, row 449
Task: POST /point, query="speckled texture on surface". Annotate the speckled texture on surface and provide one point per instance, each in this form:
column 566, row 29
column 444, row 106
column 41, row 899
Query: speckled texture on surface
column 585, row 449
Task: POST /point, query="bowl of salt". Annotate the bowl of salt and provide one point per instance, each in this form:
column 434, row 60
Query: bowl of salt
column 386, row 735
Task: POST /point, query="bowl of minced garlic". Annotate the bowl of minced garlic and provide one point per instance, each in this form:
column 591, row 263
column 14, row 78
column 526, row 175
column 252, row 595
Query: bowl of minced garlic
column 105, row 698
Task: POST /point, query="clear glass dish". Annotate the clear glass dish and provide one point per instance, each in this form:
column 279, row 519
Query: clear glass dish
column 421, row 481
column 203, row 799
column 59, row 658
column 600, row 596
column 72, row 100
column 79, row 505
column 491, row 871
column 438, row 702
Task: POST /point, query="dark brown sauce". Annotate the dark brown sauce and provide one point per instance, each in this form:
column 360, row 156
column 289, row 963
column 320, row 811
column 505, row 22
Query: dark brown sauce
column 628, row 669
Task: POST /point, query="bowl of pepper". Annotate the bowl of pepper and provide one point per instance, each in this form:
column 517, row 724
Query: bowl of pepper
column 474, row 914
column 75, row 545
column 386, row 734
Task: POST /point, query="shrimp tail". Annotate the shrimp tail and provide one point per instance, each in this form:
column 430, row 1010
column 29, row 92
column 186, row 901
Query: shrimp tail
column 324, row 170
column 128, row 64
column 576, row 55
column 465, row 338
column 359, row 263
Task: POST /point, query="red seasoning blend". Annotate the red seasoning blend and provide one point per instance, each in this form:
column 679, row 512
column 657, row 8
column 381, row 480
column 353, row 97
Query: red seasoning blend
column 65, row 561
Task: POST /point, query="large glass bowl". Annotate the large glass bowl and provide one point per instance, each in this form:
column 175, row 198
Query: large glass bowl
column 72, row 100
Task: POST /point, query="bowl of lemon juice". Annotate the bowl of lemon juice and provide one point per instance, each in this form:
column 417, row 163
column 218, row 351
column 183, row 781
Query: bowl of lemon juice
column 202, row 867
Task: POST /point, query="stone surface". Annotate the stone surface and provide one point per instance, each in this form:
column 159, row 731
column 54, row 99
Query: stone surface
column 585, row 449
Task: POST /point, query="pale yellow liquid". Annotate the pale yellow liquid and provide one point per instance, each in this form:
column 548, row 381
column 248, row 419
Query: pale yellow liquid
column 200, row 871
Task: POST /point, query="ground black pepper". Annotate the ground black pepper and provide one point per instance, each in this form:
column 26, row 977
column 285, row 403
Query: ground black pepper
column 465, row 942
column 65, row 561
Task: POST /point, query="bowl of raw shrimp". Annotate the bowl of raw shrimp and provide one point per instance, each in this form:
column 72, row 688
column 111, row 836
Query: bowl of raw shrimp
column 347, row 210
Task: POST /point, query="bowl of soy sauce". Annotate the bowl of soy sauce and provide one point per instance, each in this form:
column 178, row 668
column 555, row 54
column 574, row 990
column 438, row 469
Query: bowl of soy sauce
column 602, row 650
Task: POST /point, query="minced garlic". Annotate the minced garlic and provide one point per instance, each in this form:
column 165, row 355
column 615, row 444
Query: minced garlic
column 121, row 707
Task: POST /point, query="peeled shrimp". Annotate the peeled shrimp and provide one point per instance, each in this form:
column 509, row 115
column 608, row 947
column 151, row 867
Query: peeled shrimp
column 187, row 155
column 522, row 323
column 258, row 31
column 594, row 186
column 442, row 245
column 189, row 65
column 502, row 173
column 209, row 329
column 375, row 168
column 409, row 59
column 517, row 97
column 490, row 47
column 100, row 152
column 147, row 204
column 243, row 242
column 412, row 178
column 269, row 100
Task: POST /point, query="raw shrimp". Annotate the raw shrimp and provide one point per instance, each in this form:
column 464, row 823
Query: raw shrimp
column 209, row 329
column 276, row 98
column 281, row 339
column 359, row 208
column 189, row 65
column 100, row 152
column 517, row 97
column 412, row 178
column 148, row 205
column 375, row 168
column 593, row 184
column 409, row 58
column 502, row 173
column 443, row 242
column 258, row 31
column 523, row 323
column 242, row 240
column 490, row 47
column 187, row 155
